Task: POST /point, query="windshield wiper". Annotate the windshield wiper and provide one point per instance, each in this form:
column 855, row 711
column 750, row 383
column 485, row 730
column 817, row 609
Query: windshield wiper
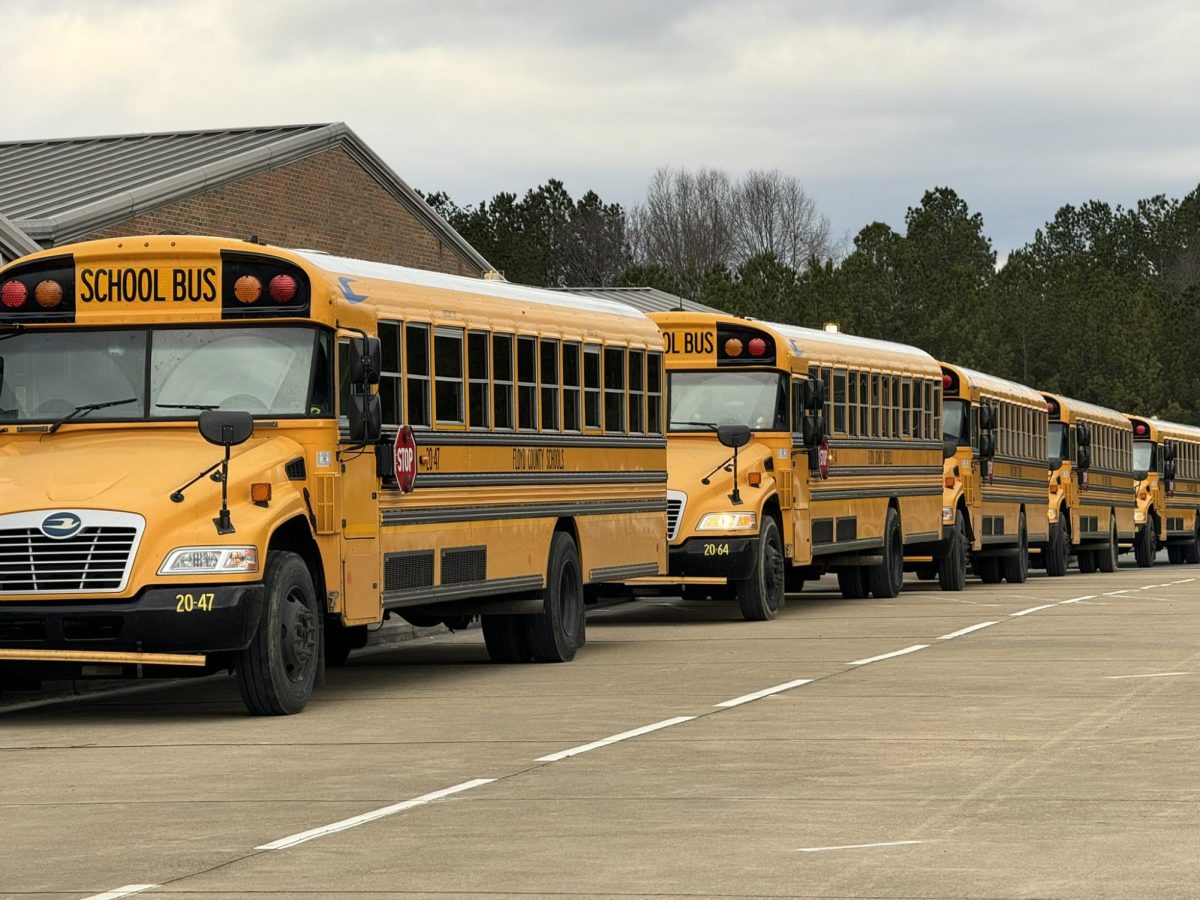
column 712, row 425
column 84, row 410
column 199, row 406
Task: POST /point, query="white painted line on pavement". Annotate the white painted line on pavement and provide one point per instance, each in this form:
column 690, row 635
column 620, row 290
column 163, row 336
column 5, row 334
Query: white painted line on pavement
column 1033, row 609
column 854, row 846
column 765, row 692
column 128, row 891
column 967, row 630
column 1152, row 675
column 294, row 839
column 913, row 649
column 1115, row 593
column 604, row 742
column 1078, row 599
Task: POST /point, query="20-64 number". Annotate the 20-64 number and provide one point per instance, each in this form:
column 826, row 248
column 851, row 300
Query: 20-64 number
column 716, row 549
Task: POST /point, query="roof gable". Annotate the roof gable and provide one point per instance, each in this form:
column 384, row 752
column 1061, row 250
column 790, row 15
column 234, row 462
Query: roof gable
column 59, row 190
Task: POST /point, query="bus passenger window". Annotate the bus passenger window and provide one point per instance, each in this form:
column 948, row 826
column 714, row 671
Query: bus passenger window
column 614, row 389
column 390, row 375
column 919, row 408
column 864, row 405
column 852, row 402
column 636, row 394
column 477, row 374
column 527, row 383
column 570, row 380
column 906, row 405
column 876, row 406
column 654, row 419
column 549, row 372
column 592, row 405
column 448, row 375
column 416, row 347
column 837, row 399
column 502, row 380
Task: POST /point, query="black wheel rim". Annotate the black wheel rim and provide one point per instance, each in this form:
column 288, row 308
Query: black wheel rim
column 896, row 558
column 570, row 601
column 772, row 571
column 297, row 636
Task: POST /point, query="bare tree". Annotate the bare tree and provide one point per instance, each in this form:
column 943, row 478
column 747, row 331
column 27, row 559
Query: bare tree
column 774, row 214
column 686, row 224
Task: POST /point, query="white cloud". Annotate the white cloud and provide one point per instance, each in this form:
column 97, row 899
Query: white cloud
column 1020, row 106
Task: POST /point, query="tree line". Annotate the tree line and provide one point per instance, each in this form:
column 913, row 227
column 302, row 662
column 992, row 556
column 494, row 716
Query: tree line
column 1100, row 305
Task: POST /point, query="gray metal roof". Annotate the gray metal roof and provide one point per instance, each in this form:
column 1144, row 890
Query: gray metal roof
column 644, row 298
column 58, row 190
column 14, row 242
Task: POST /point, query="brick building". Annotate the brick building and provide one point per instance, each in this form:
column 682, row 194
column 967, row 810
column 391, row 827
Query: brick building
column 313, row 186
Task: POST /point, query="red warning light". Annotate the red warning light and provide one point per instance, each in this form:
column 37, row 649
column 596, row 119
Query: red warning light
column 282, row 288
column 757, row 346
column 14, row 294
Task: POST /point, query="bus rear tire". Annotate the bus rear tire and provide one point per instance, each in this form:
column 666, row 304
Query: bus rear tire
column 1191, row 551
column 761, row 595
column 557, row 632
column 1016, row 568
column 1087, row 561
column 886, row 579
column 1144, row 546
column 952, row 565
column 276, row 673
column 1174, row 554
column 852, row 582
column 988, row 569
column 1106, row 559
column 504, row 637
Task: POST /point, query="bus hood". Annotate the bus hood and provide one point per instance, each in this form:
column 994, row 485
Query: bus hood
column 130, row 472
column 689, row 460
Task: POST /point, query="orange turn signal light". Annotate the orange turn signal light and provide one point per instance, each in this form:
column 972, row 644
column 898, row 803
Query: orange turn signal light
column 949, row 481
column 48, row 294
column 260, row 492
column 247, row 289
column 1054, row 488
column 754, row 479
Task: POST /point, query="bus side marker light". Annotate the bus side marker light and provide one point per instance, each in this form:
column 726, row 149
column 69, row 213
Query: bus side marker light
column 1054, row 488
column 949, row 481
column 754, row 479
column 260, row 492
column 13, row 294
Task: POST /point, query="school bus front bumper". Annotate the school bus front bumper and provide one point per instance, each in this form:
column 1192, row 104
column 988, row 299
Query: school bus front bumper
column 163, row 626
column 724, row 557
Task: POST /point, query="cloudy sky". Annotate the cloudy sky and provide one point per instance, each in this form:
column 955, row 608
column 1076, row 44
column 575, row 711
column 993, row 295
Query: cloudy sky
column 1019, row 105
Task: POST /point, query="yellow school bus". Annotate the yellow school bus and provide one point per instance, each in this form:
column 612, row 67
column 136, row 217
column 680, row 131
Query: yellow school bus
column 792, row 452
column 1091, row 500
column 1166, row 463
column 995, row 475
column 218, row 454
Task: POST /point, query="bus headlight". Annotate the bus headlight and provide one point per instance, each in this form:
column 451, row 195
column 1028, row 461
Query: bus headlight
column 728, row 521
column 947, row 515
column 193, row 560
column 1139, row 515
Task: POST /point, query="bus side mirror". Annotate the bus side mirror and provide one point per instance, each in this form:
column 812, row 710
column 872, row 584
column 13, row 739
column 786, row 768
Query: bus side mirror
column 365, row 417
column 1083, row 436
column 987, row 417
column 1169, row 470
column 987, row 445
column 815, row 395
column 733, row 436
column 1085, row 458
column 226, row 428
column 366, row 360
column 814, row 430
column 1169, row 451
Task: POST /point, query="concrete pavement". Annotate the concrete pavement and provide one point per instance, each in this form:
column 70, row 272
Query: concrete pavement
column 1050, row 754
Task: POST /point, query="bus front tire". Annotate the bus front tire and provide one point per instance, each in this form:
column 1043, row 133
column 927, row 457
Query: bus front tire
column 952, row 565
column 557, row 632
column 1106, row 558
column 886, row 579
column 762, row 594
column 1058, row 549
column 852, row 582
column 277, row 671
column 1144, row 546
column 1016, row 568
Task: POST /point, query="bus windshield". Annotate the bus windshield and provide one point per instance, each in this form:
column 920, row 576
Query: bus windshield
column 702, row 400
column 1056, row 442
column 170, row 373
column 1144, row 458
column 954, row 421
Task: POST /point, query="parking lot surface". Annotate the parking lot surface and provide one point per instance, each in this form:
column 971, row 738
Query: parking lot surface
column 1036, row 740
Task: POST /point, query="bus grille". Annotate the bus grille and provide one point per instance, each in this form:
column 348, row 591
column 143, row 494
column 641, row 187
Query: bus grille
column 96, row 559
column 676, row 501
